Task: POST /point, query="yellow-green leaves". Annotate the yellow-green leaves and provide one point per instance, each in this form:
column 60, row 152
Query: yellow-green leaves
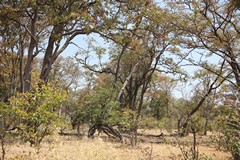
column 36, row 112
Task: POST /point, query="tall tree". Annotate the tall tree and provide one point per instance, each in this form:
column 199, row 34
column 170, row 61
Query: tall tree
column 48, row 27
column 212, row 29
column 140, row 46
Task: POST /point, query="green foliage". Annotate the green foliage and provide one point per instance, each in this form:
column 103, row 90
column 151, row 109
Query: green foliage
column 79, row 115
column 150, row 122
column 5, row 114
column 7, row 118
column 167, row 123
column 36, row 112
column 100, row 106
column 196, row 124
column 97, row 107
column 127, row 118
column 158, row 106
column 229, row 126
column 107, row 110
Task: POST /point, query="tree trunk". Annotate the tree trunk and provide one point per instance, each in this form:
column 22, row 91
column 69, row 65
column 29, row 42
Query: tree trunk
column 133, row 136
column 2, row 136
column 195, row 152
column 47, row 61
column 13, row 76
column 52, row 53
column 78, row 129
column 28, row 68
column 3, row 147
column 27, row 75
column 21, row 54
column 206, row 126
column 236, row 70
column 179, row 123
column 126, row 82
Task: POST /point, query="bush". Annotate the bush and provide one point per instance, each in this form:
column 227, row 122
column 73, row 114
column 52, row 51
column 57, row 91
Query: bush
column 229, row 126
column 36, row 114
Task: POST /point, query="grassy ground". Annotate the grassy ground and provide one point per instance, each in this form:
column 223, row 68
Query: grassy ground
column 71, row 147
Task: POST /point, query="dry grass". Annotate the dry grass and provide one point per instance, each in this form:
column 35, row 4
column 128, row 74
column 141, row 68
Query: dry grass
column 73, row 148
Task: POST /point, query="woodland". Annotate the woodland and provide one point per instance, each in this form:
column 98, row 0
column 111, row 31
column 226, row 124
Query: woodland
column 170, row 65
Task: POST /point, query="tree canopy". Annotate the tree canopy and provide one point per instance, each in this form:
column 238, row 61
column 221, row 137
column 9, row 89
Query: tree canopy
column 129, row 82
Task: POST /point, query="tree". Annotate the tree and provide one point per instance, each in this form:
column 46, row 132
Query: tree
column 98, row 108
column 210, row 28
column 139, row 51
column 30, row 28
column 66, row 73
column 33, row 23
column 160, row 92
column 215, row 84
column 8, row 75
column 205, row 77
column 180, row 109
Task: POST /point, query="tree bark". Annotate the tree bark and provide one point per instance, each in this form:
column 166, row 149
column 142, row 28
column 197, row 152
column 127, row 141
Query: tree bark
column 179, row 123
column 32, row 46
column 21, row 54
column 46, row 67
column 207, row 116
column 27, row 74
column 126, row 82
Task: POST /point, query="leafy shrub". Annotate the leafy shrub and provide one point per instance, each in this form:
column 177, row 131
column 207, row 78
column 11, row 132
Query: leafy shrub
column 229, row 126
column 36, row 114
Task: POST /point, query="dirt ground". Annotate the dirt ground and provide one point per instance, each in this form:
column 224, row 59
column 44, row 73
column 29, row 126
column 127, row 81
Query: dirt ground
column 71, row 147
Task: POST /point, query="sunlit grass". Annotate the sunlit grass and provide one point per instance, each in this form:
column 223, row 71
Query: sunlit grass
column 74, row 148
